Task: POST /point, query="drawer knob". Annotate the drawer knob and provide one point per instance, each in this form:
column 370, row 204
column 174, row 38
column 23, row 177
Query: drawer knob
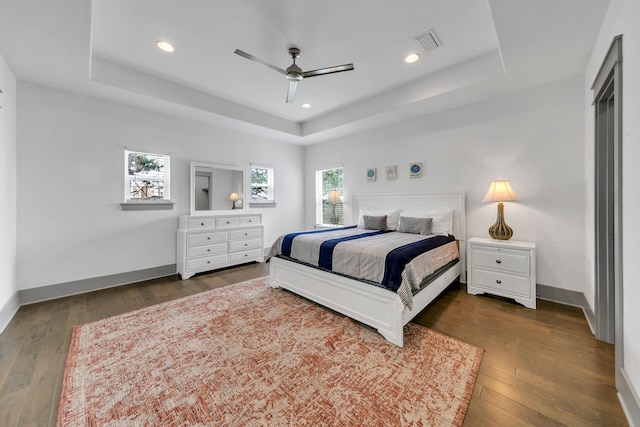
column 228, row 222
column 208, row 237
column 208, row 262
column 246, row 234
column 250, row 220
column 246, row 244
column 246, row 254
column 208, row 249
column 202, row 224
column 498, row 261
column 498, row 281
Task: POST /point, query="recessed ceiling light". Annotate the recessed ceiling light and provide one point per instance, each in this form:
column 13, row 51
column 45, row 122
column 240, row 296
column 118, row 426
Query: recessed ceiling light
column 411, row 58
column 165, row 46
column 306, row 105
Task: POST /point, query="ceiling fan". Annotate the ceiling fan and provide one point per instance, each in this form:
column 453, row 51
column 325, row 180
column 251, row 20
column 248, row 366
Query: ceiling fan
column 293, row 73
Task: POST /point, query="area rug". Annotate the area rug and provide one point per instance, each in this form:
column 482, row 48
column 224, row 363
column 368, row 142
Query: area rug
column 250, row 355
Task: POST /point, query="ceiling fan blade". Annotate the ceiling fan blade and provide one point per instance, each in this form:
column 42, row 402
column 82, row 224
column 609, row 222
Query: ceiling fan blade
column 328, row 70
column 291, row 91
column 261, row 61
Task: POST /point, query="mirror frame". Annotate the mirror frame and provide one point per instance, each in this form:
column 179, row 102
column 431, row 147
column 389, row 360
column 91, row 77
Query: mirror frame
column 192, row 187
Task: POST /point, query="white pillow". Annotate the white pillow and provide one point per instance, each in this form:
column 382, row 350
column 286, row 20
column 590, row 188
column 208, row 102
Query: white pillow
column 442, row 220
column 393, row 215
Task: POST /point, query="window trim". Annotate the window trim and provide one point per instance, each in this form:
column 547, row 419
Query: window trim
column 319, row 199
column 149, row 203
column 271, row 185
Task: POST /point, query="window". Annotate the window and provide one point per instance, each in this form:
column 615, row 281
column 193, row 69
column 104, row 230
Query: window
column 328, row 212
column 262, row 184
column 146, row 177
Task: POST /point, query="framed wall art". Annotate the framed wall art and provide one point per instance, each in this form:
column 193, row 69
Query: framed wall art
column 391, row 172
column 371, row 174
column 415, row 170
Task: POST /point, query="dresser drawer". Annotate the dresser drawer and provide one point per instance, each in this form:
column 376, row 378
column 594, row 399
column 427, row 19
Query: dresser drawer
column 501, row 259
column 205, row 250
column 245, row 234
column 200, row 223
column 245, row 244
column 248, row 255
column 201, row 238
column 227, row 222
column 208, row 262
column 502, row 283
column 250, row 220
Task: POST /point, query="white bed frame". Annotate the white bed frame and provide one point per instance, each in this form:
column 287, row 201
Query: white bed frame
column 374, row 306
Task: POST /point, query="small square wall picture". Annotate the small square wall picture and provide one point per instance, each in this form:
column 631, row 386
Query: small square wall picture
column 415, row 170
column 371, row 174
column 391, row 172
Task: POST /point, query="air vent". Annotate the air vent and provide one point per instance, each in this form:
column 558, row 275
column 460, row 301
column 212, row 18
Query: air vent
column 428, row 40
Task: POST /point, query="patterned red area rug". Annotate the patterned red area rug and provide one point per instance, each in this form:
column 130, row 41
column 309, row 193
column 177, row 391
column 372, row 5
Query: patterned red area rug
column 249, row 355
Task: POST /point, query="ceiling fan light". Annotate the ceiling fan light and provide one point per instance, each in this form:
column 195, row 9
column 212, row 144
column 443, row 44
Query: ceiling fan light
column 305, row 105
column 411, row 58
column 165, row 46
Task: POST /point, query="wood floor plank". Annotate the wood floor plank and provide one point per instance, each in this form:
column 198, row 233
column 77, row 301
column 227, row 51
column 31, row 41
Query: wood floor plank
column 540, row 367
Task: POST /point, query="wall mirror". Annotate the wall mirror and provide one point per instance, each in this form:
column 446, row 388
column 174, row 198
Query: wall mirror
column 216, row 189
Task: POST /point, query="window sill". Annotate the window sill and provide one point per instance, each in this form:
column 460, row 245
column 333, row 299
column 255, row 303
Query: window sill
column 147, row 205
column 271, row 204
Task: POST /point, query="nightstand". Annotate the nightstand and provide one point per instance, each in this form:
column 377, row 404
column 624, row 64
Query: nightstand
column 502, row 267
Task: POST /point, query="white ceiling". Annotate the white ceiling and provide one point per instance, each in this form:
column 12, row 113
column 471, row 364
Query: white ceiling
column 106, row 48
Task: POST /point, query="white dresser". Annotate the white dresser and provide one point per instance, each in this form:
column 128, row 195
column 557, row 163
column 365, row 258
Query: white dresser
column 502, row 267
column 210, row 242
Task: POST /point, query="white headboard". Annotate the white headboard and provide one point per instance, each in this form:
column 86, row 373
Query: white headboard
column 421, row 201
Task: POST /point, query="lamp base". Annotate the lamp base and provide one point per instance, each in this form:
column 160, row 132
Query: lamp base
column 334, row 217
column 500, row 230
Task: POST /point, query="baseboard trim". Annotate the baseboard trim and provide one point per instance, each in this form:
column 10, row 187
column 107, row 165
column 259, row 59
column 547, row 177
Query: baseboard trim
column 60, row 290
column 567, row 297
column 8, row 310
column 628, row 398
column 562, row 296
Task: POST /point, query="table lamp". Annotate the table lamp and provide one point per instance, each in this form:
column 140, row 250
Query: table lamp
column 234, row 198
column 333, row 198
column 500, row 191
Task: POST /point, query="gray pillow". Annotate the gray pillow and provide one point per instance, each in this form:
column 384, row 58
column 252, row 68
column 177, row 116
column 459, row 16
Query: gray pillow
column 375, row 222
column 415, row 225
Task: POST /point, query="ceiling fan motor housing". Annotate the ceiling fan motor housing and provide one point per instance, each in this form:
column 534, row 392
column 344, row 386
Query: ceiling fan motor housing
column 294, row 73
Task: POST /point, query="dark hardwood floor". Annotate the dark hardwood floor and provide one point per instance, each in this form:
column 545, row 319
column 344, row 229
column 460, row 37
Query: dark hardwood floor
column 540, row 367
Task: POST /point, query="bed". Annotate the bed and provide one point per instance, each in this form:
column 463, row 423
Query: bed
column 380, row 308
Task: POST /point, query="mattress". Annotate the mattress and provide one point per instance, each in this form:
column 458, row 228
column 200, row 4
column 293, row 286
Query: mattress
column 396, row 261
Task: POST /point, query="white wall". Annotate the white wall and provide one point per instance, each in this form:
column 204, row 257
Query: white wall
column 622, row 18
column 70, row 184
column 533, row 138
column 8, row 285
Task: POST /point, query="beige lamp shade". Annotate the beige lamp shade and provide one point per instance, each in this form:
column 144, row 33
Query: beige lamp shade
column 334, row 197
column 500, row 191
column 234, row 198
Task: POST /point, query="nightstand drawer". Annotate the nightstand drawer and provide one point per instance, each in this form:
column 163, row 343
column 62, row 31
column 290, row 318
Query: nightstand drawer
column 504, row 284
column 501, row 259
